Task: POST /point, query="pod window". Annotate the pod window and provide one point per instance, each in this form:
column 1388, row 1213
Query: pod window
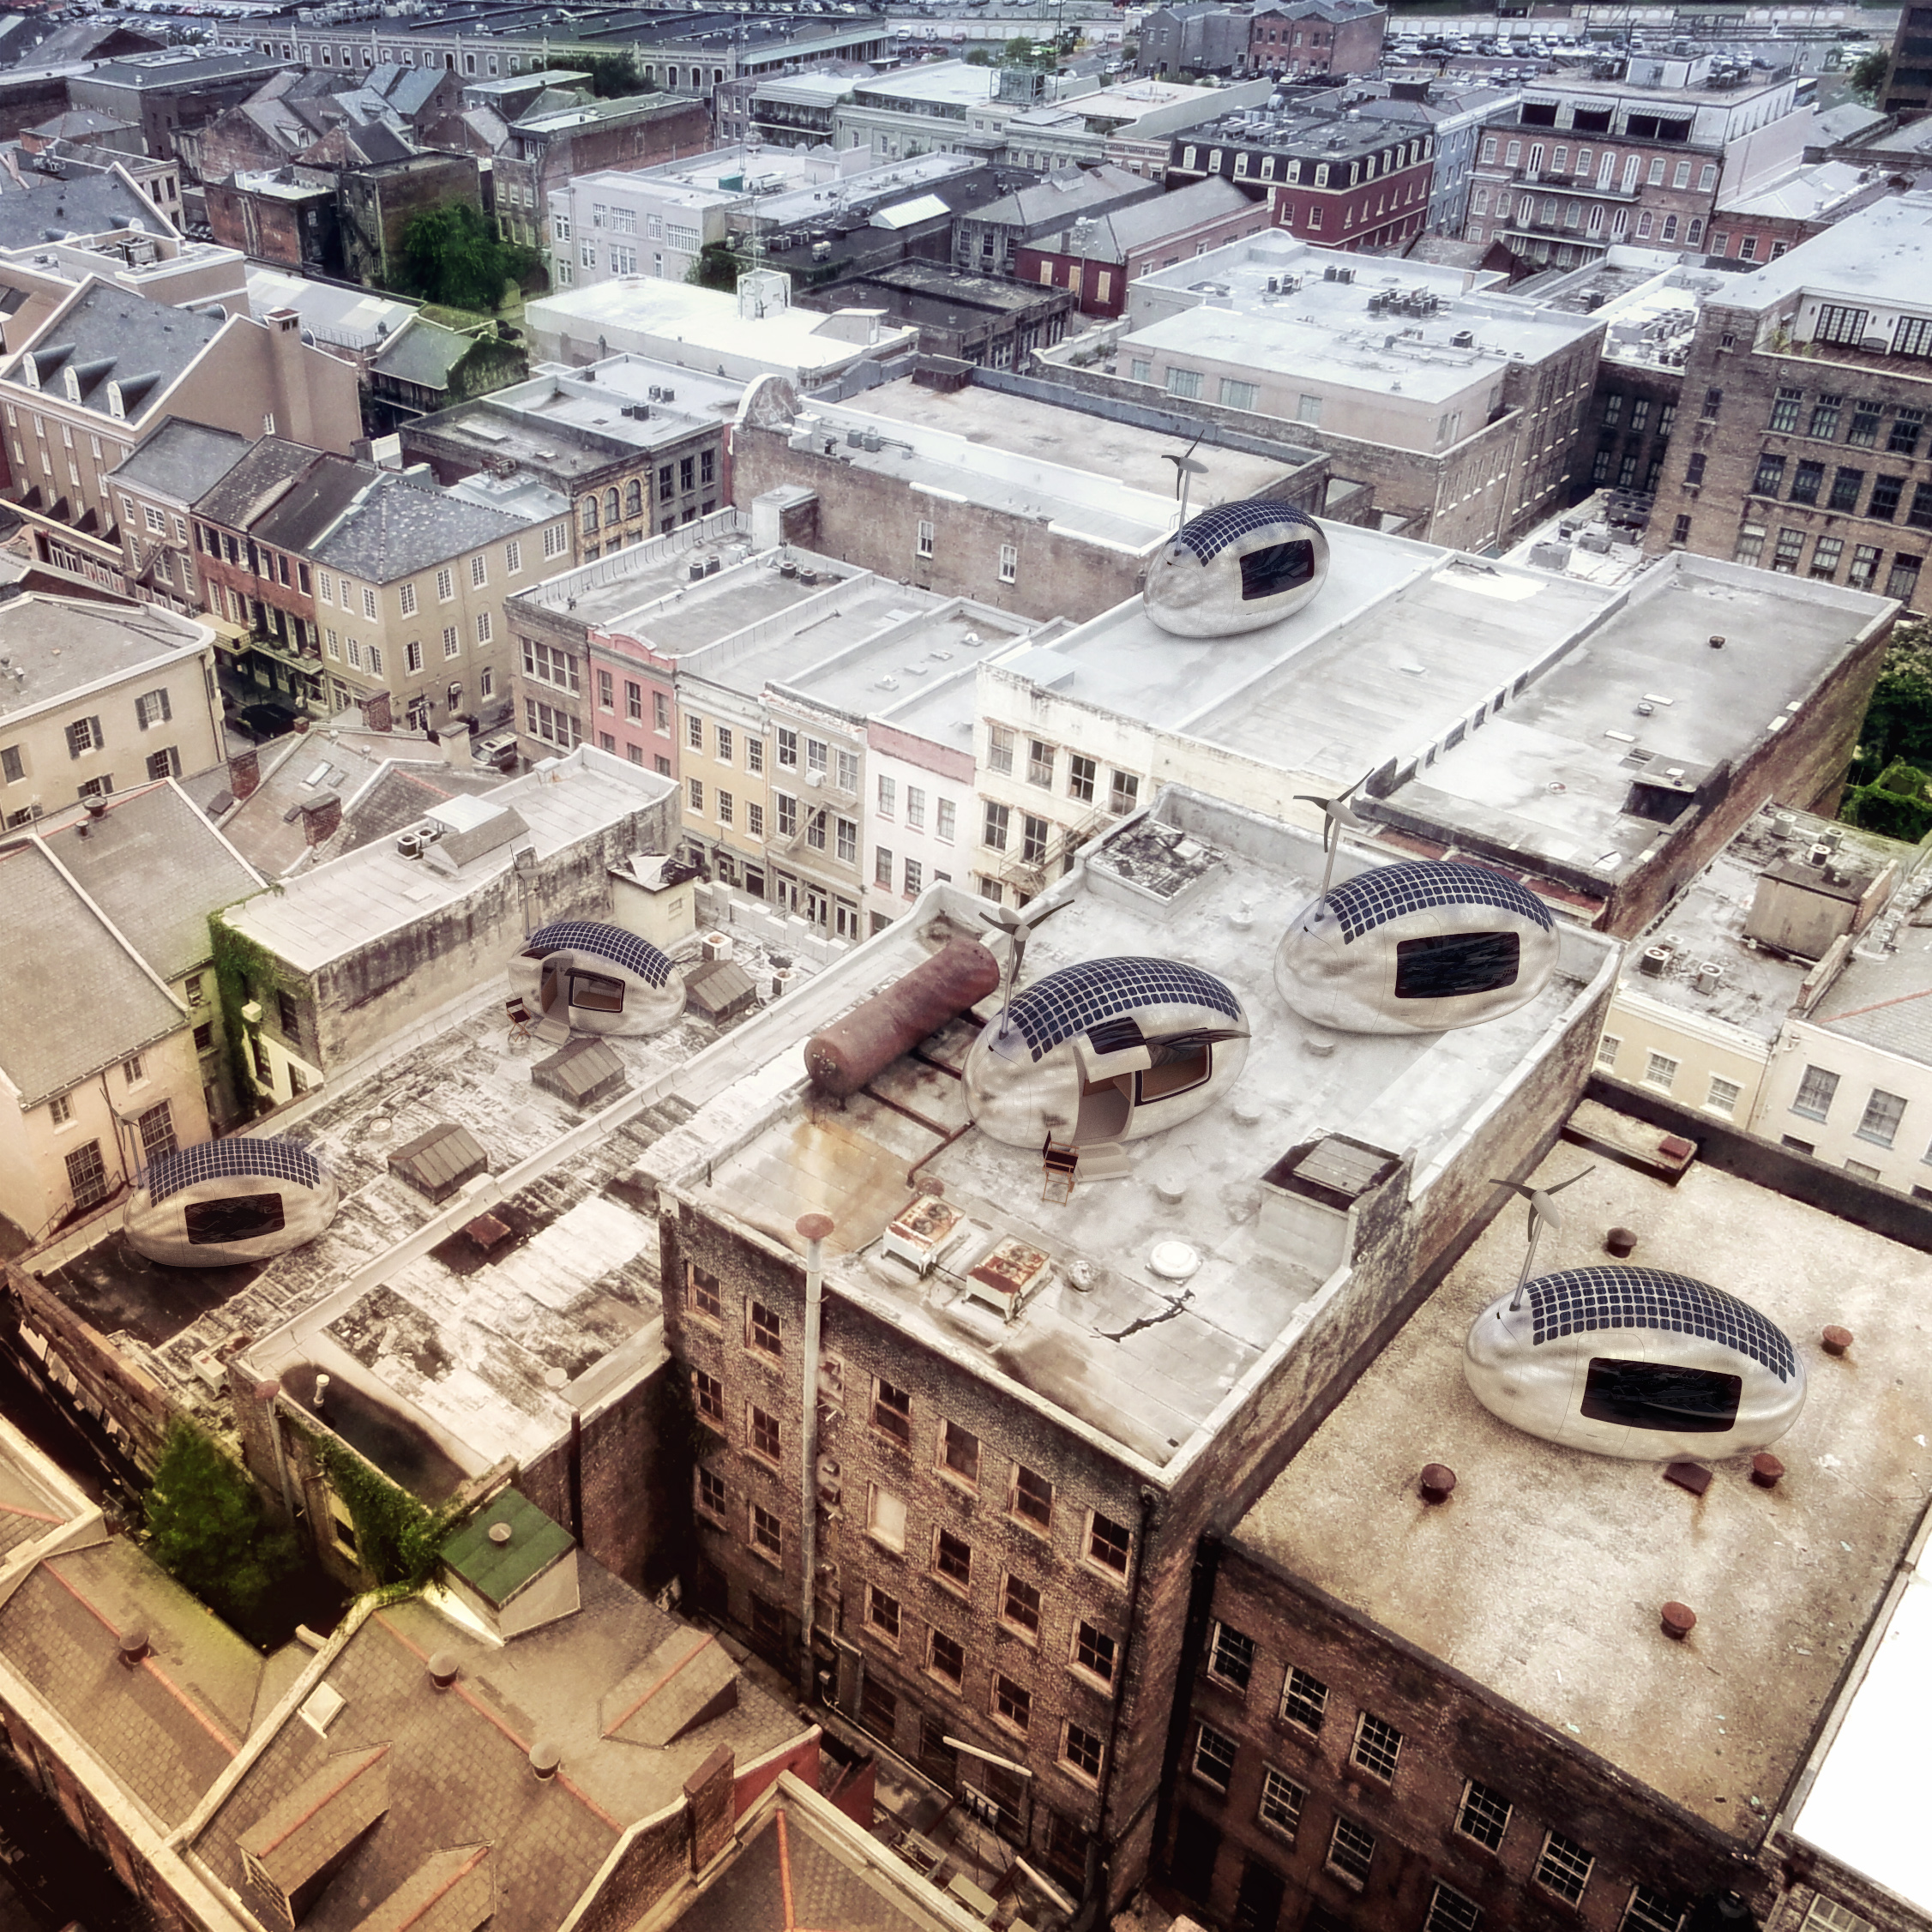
column 237, row 1218
column 1661, row 1395
column 597, row 994
column 1444, row 964
column 1276, row 568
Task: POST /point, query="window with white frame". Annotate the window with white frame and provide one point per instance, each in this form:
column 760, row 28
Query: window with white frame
column 925, row 537
column 1483, row 1815
column 1280, row 1808
column 1816, row 1093
column 1449, row 1911
column 1659, row 1070
column 1378, row 1745
column 1009, row 562
column 1722, row 1096
column 1880, row 1121
column 1563, row 1867
column 1649, row 1911
column 1352, row 1851
column 1213, row 1757
column 1607, row 1049
column 1230, row 1657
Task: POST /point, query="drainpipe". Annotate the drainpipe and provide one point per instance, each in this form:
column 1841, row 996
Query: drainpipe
column 815, row 1228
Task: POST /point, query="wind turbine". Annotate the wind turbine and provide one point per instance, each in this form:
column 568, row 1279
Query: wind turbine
column 1185, row 466
column 1336, row 812
column 1544, row 1213
column 1018, row 928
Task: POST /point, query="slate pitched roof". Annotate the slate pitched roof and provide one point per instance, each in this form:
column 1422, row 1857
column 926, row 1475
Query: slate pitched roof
column 76, row 999
column 399, row 526
column 271, row 464
column 157, row 869
column 110, row 335
column 83, row 204
column 425, row 353
column 183, row 460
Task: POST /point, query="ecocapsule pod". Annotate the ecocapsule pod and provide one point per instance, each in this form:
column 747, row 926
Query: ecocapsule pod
column 1109, row 1050
column 1234, row 568
column 1634, row 1362
column 1417, row 948
column 240, row 1200
column 597, row 978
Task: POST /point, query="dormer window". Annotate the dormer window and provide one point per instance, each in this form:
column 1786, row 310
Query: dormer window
column 115, row 405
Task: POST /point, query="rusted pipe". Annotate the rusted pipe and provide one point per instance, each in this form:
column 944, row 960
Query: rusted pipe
column 846, row 1055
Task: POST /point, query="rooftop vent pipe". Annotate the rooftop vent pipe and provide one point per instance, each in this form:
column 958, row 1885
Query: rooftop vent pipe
column 444, row 1669
column 544, row 1757
column 133, row 1646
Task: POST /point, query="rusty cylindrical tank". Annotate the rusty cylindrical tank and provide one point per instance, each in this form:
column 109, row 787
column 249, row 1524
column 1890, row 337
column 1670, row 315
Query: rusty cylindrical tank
column 850, row 1052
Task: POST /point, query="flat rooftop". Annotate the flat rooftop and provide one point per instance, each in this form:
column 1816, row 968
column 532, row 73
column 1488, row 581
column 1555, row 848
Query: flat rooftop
column 1132, row 457
column 1219, row 306
column 53, row 645
column 1550, row 774
column 1542, row 1579
column 1402, row 633
column 568, row 423
column 1806, row 192
column 338, row 906
column 1141, row 1364
column 948, row 82
column 1085, row 503
column 1707, row 921
column 1883, row 252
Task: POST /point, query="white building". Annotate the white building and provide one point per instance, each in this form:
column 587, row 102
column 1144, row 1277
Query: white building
column 613, row 223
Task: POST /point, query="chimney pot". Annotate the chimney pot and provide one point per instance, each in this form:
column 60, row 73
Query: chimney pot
column 1836, row 1340
column 1620, row 1242
column 815, row 1227
column 133, row 1645
column 266, row 1391
column 1716, row 643
column 1766, row 1469
column 1438, row 1480
column 1678, row 1621
column 444, row 1669
column 544, row 1758
column 320, row 818
column 499, row 1534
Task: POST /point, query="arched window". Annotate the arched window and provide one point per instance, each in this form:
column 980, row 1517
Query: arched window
column 634, row 498
column 590, row 514
column 611, row 511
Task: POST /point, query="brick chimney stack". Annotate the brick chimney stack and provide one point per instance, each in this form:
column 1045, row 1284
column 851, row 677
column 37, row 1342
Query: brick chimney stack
column 288, row 377
column 377, row 715
column 244, row 773
column 709, row 1792
column 321, row 816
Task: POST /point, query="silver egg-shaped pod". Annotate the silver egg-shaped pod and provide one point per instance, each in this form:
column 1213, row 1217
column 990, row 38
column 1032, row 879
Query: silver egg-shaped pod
column 1234, row 568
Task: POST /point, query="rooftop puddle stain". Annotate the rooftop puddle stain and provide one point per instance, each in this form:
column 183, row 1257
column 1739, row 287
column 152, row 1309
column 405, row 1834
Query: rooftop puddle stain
column 403, row 1450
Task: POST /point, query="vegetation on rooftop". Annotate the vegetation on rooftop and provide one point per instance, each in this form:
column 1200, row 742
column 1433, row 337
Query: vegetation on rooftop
column 1889, row 791
column 397, row 1537
column 206, row 1527
column 609, row 74
column 716, row 267
column 453, row 254
column 242, row 972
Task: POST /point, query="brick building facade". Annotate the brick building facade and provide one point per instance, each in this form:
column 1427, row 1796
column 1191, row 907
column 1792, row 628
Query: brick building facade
column 1293, row 37
column 1804, row 441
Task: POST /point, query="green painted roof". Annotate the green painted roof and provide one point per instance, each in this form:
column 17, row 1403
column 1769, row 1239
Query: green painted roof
column 497, row 1571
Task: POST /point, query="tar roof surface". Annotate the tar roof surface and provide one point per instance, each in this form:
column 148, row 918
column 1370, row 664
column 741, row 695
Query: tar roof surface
column 1140, row 1364
column 166, row 1730
column 459, row 1769
column 1543, row 1577
column 182, row 459
column 1707, row 706
column 1131, row 455
column 64, row 644
column 156, row 867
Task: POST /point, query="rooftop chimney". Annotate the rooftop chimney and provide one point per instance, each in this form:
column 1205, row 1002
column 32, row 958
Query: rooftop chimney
column 244, row 773
column 444, row 1669
column 320, row 818
column 133, row 1646
column 544, row 1757
column 375, row 712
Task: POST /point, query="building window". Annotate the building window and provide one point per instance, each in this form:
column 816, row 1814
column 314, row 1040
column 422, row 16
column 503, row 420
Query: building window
column 1886, row 493
column 1012, row 1703
column 709, row 1393
column 1449, row 1911
column 952, row 1559
column 882, row 1612
column 888, row 793
column 1721, row 1099
column 1237, row 395
column 847, row 840
column 1125, row 793
column 998, row 821
column 1606, row 1050
column 157, row 1133
column 885, row 1518
column 1351, row 1852
column 701, row 1294
column 1883, row 1112
column 1826, row 1915
column 1020, row 1605
column 763, row 1330
column 1095, row 1652
column 1184, row 383
column 1032, row 1498
column 1563, row 1867
column 694, row 788
column 1483, row 1815
column 1790, row 548
column 1230, row 1659
column 1864, row 566
column 882, row 867
column 1304, row 1700
column 1082, row 774
column 1213, row 1757
column 768, row 1534
column 892, row 1412
column 1009, row 562
column 1825, row 558
column 1650, row 1912
column 1660, row 1070
column 999, row 750
column 1713, row 401
column 1108, row 1544
column 760, row 1432
column 1378, row 1745
column 1039, row 764
column 1081, row 1749
column 947, row 1658
column 1769, row 479
column 711, row 1494
column 1815, row 1092
column 1806, row 480
column 959, row 1450
column 923, row 547
column 86, row 1175
column 1836, row 324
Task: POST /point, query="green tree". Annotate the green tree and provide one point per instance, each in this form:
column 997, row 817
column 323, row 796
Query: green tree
column 612, row 74
column 1867, row 74
column 205, row 1528
column 717, row 267
column 452, row 254
column 1898, row 719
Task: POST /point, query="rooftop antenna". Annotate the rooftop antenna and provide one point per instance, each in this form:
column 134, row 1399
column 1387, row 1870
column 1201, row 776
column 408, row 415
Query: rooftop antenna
column 1336, row 812
column 1018, row 928
column 1544, row 1213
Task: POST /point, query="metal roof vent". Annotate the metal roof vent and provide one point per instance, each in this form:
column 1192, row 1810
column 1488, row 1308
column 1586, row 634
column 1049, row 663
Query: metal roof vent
column 546, row 1755
column 444, row 1669
column 133, row 1646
